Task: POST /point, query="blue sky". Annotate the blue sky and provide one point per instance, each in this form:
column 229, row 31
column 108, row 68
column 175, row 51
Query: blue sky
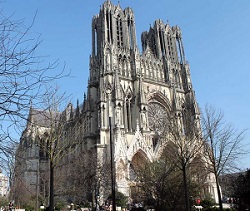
column 215, row 35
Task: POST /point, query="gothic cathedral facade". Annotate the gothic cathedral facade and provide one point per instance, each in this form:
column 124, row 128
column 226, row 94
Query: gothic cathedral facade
column 137, row 91
column 131, row 95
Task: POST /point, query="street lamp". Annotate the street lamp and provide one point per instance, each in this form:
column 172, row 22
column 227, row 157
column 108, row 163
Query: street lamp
column 112, row 167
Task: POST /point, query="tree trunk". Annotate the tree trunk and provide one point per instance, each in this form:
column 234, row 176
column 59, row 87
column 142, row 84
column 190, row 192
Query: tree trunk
column 51, row 187
column 218, row 192
column 185, row 188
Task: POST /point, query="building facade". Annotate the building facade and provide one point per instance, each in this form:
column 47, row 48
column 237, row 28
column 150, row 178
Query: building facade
column 131, row 95
column 139, row 91
column 3, row 184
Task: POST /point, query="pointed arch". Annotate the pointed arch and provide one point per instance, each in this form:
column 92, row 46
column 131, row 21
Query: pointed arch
column 168, row 149
column 121, row 170
column 159, row 97
column 138, row 161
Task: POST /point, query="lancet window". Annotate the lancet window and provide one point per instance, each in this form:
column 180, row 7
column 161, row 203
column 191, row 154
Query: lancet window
column 130, row 31
column 109, row 26
column 103, row 116
column 128, row 112
column 95, row 41
column 162, row 42
column 119, row 31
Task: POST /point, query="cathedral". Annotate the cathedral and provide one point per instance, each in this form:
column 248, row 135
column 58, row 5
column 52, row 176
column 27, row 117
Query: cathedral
column 130, row 95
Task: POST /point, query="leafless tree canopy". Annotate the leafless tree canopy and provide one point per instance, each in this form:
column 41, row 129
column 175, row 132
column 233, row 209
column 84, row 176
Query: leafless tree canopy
column 23, row 76
column 223, row 145
column 224, row 142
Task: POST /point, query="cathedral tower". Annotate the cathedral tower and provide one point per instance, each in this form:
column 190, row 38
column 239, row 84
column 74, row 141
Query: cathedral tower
column 138, row 91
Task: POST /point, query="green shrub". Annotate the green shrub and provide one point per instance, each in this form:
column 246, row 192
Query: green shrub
column 59, row 205
column 120, row 199
column 29, row 207
column 207, row 203
column 3, row 201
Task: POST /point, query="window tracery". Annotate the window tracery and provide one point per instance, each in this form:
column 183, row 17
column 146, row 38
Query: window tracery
column 158, row 119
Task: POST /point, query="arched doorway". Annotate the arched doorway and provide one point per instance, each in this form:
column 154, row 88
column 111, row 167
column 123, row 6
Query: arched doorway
column 137, row 164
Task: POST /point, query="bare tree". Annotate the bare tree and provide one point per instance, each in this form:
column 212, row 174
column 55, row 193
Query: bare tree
column 23, row 76
column 23, row 195
column 178, row 132
column 50, row 137
column 224, row 145
column 240, row 185
column 74, row 176
column 185, row 143
column 61, row 137
column 21, row 190
column 90, row 178
column 161, row 184
column 8, row 161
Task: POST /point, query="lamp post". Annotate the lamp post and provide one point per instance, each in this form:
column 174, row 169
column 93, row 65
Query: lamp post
column 37, row 186
column 112, row 167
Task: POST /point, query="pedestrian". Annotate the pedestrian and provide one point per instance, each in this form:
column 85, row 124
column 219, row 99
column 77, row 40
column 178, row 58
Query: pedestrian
column 10, row 206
